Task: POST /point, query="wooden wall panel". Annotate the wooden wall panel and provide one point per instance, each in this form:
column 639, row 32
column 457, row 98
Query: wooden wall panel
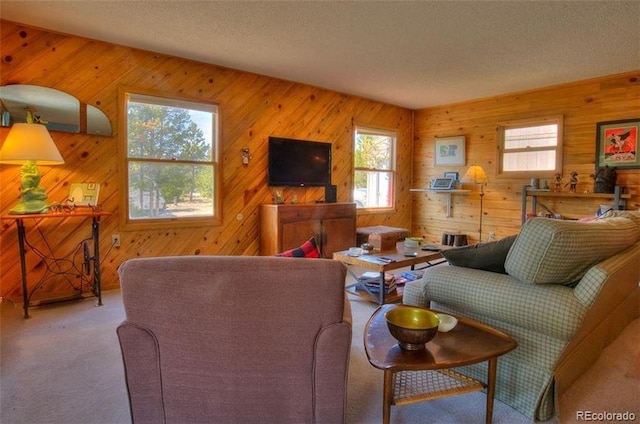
column 252, row 107
column 583, row 104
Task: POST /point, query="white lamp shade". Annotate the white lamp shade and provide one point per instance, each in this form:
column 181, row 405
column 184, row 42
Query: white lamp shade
column 475, row 174
column 27, row 142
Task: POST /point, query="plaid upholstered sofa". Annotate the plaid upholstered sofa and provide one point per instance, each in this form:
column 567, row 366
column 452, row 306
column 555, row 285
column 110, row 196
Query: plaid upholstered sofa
column 568, row 289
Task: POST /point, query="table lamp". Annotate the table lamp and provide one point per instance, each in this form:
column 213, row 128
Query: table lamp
column 27, row 145
column 476, row 175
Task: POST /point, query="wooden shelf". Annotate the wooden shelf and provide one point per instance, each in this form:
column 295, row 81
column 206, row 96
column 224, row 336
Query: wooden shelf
column 527, row 191
column 447, row 192
column 544, row 193
column 430, row 190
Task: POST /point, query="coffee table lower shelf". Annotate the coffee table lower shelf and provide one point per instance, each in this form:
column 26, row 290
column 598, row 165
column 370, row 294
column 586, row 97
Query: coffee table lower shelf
column 418, row 386
column 391, row 297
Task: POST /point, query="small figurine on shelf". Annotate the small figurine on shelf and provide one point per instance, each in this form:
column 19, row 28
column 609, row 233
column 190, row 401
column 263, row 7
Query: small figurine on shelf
column 558, row 186
column 278, row 198
column 573, row 182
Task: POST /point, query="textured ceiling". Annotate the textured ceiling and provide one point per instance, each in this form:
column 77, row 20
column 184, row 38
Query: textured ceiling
column 414, row 54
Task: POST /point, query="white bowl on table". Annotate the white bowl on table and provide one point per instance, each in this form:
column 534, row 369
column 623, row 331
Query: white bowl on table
column 447, row 322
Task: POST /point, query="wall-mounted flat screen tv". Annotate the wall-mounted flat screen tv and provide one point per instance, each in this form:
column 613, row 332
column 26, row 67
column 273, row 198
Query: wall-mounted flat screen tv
column 298, row 163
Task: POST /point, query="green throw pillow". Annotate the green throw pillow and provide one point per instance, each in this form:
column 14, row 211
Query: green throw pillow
column 486, row 256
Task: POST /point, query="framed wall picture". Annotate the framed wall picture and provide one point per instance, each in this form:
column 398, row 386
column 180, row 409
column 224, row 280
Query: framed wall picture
column 617, row 144
column 84, row 194
column 450, row 151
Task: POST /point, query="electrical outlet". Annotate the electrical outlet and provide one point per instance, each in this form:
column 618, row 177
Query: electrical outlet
column 115, row 240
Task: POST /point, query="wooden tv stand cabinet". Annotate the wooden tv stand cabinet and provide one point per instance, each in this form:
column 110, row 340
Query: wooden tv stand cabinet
column 286, row 226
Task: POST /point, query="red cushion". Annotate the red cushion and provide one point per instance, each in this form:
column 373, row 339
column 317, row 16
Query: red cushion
column 309, row 249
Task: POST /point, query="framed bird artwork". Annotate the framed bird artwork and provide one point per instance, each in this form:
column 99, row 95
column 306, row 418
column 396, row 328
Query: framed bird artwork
column 617, row 144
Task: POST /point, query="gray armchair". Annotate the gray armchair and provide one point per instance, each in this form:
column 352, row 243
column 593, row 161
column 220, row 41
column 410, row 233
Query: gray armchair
column 235, row 339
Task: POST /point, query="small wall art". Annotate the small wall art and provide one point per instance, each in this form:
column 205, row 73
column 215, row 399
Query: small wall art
column 450, row 151
column 617, row 144
column 84, row 194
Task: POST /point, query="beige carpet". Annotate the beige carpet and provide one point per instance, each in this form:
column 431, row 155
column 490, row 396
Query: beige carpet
column 63, row 366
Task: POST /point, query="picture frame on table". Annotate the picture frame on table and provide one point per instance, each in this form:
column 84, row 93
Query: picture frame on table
column 453, row 175
column 84, row 194
column 450, row 151
column 617, row 144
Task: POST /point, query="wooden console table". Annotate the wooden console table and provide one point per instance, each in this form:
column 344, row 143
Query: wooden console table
column 286, row 226
column 96, row 289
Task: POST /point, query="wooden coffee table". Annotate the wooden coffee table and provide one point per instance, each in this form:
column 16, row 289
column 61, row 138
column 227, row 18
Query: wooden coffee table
column 383, row 262
column 415, row 376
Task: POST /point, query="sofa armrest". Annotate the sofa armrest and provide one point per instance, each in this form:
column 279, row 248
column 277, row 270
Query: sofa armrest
column 333, row 347
column 613, row 303
column 413, row 294
column 141, row 358
column 624, row 263
column 548, row 309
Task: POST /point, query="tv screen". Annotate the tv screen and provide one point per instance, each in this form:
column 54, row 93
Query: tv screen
column 298, row 163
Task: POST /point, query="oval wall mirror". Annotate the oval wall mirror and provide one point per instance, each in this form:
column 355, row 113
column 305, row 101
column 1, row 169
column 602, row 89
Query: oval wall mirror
column 59, row 111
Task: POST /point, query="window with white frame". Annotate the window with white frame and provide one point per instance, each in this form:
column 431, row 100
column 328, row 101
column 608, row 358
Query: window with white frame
column 531, row 147
column 170, row 161
column 374, row 168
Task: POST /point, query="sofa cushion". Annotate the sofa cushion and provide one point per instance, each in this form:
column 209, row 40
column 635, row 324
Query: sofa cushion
column 308, row 249
column 632, row 215
column 486, row 256
column 551, row 251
